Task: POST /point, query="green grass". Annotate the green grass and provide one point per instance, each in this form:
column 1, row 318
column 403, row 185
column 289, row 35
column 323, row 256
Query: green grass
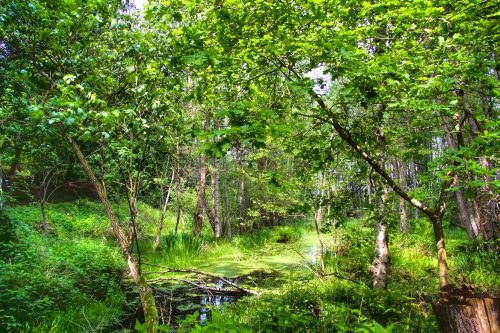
column 61, row 281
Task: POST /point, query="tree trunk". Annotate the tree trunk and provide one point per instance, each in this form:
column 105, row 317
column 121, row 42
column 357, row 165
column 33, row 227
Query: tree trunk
column 132, row 223
column 437, row 226
column 198, row 215
column 216, row 198
column 241, row 190
column 467, row 218
column 229, row 233
column 382, row 258
column 403, row 220
column 180, row 215
column 202, row 174
column 487, row 198
column 163, row 212
column 145, row 292
column 415, row 184
column 317, row 224
column 469, row 315
column 489, row 204
column 466, row 213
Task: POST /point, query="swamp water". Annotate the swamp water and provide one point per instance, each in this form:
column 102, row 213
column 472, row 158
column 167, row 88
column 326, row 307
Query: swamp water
column 264, row 269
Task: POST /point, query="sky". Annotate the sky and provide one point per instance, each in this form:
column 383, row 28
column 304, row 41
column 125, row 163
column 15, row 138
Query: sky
column 140, row 3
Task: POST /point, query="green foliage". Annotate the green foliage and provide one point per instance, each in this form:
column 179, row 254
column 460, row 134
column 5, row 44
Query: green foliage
column 7, row 230
column 217, row 323
column 280, row 234
column 309, row 307
column 85, row 316
column 181, row 244
column 43, row 277
column 473, row 262
column 81, row 218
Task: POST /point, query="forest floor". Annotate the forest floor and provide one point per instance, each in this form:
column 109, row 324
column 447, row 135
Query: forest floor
column 74, row 279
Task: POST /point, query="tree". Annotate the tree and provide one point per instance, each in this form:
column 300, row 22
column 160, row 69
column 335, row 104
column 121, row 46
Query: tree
column 424, row 64
column 64, row 57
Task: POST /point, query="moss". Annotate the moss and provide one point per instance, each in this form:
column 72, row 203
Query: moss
column 151, row 317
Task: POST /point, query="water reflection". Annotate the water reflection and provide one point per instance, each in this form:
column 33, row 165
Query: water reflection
column 176, row 301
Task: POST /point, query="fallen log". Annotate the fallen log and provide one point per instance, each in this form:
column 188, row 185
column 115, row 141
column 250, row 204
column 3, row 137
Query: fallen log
column 195, row 271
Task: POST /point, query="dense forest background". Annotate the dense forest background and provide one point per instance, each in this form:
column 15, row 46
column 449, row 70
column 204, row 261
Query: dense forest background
column 175, row 136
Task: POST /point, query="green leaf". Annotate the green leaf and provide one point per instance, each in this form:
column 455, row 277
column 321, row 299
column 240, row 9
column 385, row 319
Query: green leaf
column 68, row 78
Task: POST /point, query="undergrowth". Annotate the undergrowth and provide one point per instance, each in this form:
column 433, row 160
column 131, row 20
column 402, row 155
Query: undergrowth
column 56, row 283
column 73, row 279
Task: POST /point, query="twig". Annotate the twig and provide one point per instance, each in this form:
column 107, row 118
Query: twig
column 344, row 278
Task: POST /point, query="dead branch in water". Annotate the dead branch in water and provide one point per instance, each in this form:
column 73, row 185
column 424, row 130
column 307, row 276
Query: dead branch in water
column 195, row 271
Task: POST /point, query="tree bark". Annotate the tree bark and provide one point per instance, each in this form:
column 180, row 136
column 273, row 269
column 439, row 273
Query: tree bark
column 489, row 204
column 382, row 258
column 403, row 220
column 467, row 218
column 216, row 198
column 145, row 292
column 317, row 223
column 215, row 190
column 241, row 190
column 229, row 233
column 202, row 174
column 472, row 315
column 415, row 184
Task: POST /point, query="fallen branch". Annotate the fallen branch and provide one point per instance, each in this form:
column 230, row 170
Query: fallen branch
column 198, row 286
column 194, row 271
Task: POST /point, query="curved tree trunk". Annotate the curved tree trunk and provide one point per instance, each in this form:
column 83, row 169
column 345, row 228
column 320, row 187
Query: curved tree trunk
column 145, row 292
